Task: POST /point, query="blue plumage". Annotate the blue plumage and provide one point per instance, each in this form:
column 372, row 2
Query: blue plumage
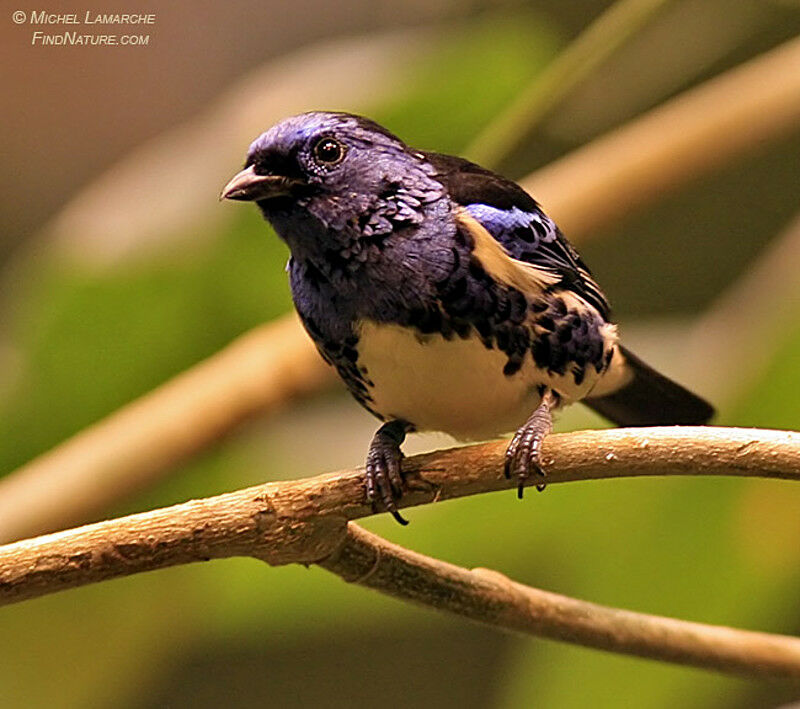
column 443, row 295
column 506, row 224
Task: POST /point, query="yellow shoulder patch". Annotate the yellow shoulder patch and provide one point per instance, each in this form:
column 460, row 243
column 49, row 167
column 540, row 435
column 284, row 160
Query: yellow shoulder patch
column 499, row 264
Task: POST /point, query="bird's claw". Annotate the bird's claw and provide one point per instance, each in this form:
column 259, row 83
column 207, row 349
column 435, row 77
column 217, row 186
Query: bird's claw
column 384, row 474
column 524, row 453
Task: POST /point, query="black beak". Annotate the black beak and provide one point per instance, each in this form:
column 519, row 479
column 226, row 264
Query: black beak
column 247, row 186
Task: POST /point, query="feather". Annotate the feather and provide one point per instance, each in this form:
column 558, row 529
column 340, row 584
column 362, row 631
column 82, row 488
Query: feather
column 515, row 220
column 644, row 397
column 497, row 262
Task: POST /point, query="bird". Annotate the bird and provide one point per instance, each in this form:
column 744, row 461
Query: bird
column 443, row 295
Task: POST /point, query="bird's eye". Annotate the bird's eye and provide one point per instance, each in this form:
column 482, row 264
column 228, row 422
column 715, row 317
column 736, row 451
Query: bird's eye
column 328, row 151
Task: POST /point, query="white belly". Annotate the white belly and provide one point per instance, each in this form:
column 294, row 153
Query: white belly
column 456, row 386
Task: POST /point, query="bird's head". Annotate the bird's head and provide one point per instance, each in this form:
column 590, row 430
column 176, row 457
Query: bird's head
column 346, row 173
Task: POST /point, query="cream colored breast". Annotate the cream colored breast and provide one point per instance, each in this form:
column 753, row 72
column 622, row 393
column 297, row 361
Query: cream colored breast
column 456, row 386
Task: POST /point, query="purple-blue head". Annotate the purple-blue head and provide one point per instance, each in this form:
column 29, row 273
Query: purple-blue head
column 335, row 173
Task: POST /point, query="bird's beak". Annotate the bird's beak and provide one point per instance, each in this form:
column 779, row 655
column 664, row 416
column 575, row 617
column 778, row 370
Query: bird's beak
column 247, row 186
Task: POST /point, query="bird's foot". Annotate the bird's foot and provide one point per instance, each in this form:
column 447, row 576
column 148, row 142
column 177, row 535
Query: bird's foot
column 524, row 453
column 384, row 475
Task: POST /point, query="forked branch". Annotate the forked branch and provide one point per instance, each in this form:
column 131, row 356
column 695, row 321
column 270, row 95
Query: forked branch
column 306, row 521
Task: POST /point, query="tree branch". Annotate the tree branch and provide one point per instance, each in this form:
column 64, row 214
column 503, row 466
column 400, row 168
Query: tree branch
column 688, row 136
column 492, row 598
column 295, row 521
column 305, row 520
column 726, row 358
column 126, row 451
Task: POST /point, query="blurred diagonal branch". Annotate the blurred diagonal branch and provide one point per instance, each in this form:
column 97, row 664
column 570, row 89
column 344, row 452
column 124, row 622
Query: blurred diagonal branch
column 584, row 191
column 727, row 357
column 308, row 521
column 574, row 64
column 686, row 137
column 255, row 374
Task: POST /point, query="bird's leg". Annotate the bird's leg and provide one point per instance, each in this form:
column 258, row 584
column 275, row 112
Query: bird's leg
column 523, row 454
column 384, row 475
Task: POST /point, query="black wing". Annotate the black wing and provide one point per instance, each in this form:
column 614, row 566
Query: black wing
column 515, row 220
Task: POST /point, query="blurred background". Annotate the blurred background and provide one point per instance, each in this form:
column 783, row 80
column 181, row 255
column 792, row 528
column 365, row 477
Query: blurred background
column 119, row 269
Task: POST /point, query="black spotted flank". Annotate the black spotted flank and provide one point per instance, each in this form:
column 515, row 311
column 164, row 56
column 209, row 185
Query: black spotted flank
column 559, row 338
column 571, row 339
column 344, row 357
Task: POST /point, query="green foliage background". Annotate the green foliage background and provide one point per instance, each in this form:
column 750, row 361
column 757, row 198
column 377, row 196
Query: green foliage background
column 237, row 632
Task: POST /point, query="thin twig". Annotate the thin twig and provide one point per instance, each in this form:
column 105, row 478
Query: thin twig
column 492, row 598
column 588, row 189
column 571, row 66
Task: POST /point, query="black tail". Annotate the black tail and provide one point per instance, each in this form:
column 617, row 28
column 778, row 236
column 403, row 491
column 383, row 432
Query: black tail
column 650, row 399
